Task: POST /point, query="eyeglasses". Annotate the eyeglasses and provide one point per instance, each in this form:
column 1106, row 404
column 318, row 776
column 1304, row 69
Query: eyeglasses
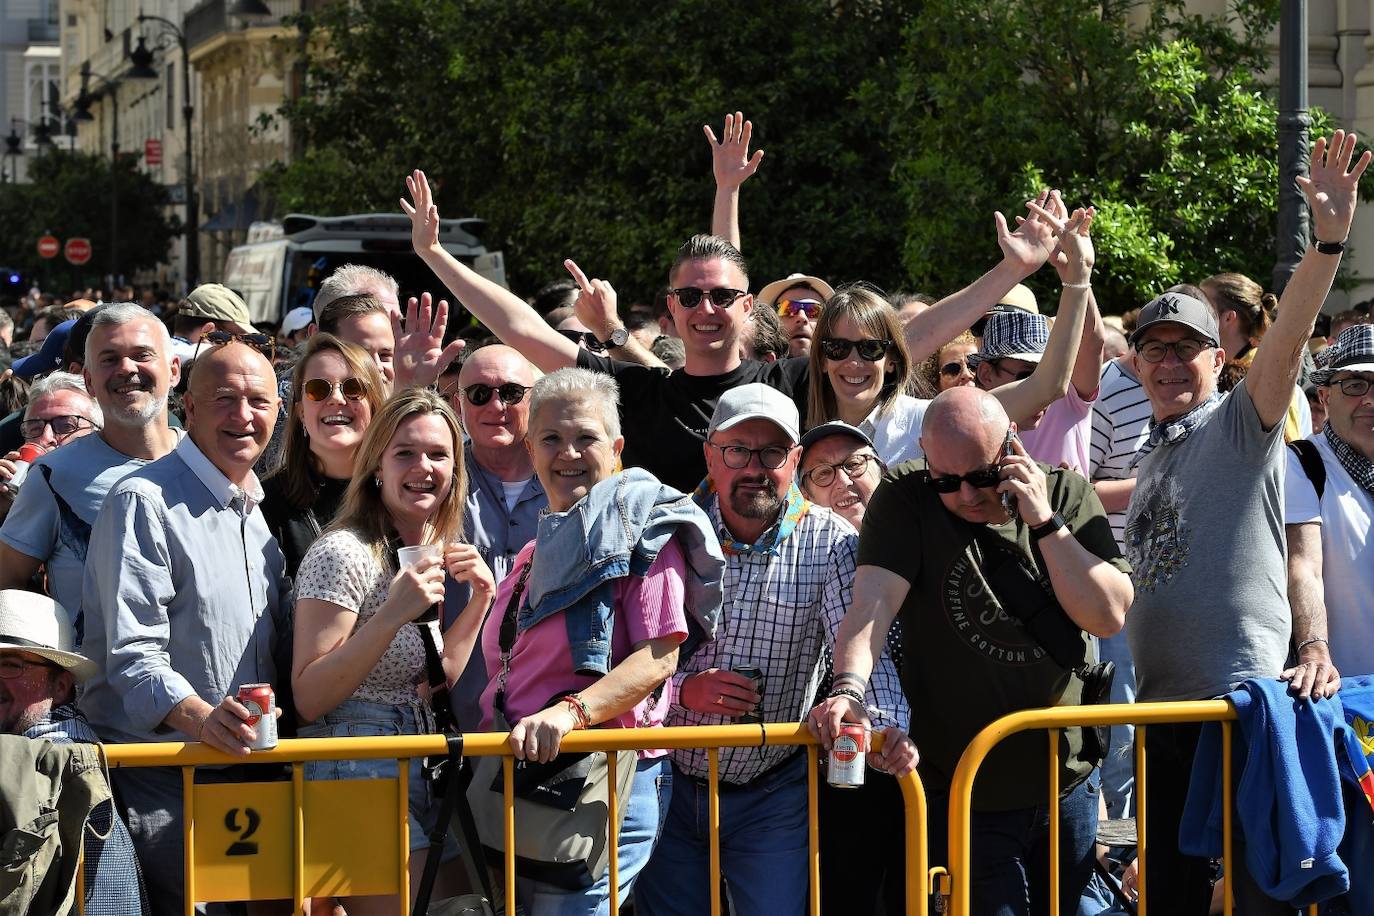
column 736, row 457
column 983, row 479
column 721, row 297
column 319, row 389
column 12, row 667
column 509, row 392
column 854, row 467
column 1015, row 376
column 584, row 338
column 955, row 368
column 63, row 425
column 790, row 308
column 837, row 348
column 265, row 344
column 1186, row 349
column 1350, row 387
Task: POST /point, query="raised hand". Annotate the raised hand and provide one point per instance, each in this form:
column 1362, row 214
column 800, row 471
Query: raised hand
column 420, row 352
column 1074, row 247
column 1331, row 188
column 1033, row 241
column 424, row 215
column 730, row 159
column 596, row 302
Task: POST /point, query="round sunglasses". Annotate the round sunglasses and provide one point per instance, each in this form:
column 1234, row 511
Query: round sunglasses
column 318, row 389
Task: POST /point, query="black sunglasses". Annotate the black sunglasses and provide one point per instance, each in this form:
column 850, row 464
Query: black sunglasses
column 954, row 368
column 984, row 479
column 64, row 425
column 584, row 338
column 509, row 393
column 318, row 389
column 721, row 297
column 837, row 348
column 265, row 344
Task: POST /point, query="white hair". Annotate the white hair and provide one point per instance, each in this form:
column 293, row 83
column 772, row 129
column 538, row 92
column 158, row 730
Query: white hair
column 66, row 381
column 121, row 313
column 596, row 388
column 352, row 279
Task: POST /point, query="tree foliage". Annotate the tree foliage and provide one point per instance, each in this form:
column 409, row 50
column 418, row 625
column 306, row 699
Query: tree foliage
column 68, row 195
column 892, row 130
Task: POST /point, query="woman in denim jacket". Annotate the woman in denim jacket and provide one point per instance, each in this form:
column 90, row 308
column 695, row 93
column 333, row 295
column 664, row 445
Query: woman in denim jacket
column 359, row 666
column 599, row 645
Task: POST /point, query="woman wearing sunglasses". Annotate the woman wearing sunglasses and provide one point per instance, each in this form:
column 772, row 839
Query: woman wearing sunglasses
column 859, row 373
column 336, row 390
column 949, row 366
column 362, row 620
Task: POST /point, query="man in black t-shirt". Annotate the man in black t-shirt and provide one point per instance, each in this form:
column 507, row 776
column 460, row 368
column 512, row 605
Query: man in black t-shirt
column 940, row 548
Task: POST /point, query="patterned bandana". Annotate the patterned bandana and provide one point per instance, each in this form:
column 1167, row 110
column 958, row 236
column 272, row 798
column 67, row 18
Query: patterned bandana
column 1173, row 432
column 797, row 506
column 1360, row 468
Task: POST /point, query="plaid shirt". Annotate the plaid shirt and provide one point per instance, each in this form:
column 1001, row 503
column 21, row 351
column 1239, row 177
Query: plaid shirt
column 782, row 608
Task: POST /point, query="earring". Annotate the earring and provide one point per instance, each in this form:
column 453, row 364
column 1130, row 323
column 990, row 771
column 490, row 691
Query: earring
column 378, row 482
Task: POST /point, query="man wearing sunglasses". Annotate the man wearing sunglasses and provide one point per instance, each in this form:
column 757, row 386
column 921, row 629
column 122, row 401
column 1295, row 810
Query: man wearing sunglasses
column 129, row 371
column 798, row 300
column 941, row 551
column 59, row 411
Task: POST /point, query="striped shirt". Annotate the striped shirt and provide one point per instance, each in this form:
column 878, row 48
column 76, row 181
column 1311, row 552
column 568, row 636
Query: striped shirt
column 1120, row 426
column 781, row 611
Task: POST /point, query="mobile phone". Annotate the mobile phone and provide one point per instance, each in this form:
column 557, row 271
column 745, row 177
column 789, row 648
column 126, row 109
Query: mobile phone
column 1008, row 500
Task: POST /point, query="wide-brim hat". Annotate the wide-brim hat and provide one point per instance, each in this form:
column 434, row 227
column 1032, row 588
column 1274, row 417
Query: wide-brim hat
column 756, row 401
column 770, row 293
column 1353, row 351
column 37, row 624
column 1013, row 334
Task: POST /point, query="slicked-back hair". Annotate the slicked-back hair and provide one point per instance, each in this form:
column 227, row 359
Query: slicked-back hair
column 708, row 248
column 350, row 280
column 344, row 307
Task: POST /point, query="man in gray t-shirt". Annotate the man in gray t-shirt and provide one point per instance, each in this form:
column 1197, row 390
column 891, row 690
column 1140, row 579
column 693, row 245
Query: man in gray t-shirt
column 1204, row 530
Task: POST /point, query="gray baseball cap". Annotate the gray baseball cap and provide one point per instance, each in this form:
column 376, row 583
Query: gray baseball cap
column 1176, row 308
column 756, row 401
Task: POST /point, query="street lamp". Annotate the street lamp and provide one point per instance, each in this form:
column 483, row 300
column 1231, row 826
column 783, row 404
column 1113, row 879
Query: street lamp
column 1294, row 121
column 82, row 112
column 142, row 60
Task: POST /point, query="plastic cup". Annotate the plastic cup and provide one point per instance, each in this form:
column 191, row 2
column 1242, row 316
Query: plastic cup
column 411, row 556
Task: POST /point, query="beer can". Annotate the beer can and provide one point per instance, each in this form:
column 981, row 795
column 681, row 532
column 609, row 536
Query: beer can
column 847, row 757
column 755, row 674
column 261, row 704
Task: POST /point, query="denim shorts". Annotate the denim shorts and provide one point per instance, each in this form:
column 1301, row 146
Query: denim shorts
column 361, row 719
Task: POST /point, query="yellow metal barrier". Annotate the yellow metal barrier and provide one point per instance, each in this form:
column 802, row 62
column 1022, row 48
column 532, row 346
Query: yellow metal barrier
column 1053, row 719
column 300, row 839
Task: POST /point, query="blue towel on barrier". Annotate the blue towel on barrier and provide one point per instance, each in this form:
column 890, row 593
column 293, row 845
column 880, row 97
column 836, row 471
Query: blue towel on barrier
column 1289, row 798
column 1357, row 698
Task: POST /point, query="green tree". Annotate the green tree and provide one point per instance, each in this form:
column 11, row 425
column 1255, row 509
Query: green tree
column 68, row 195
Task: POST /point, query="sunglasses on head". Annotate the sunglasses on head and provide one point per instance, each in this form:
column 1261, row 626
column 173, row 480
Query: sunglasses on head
column 318, row 389
column 584, row 338
column 982, row 479
column 837, row 348
column 265, row 344
column 64, row 425
column 510, row 393
column 721, row 297
column 789, row 308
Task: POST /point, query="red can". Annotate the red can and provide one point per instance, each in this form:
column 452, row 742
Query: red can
column 262, row 706
column 847, row 757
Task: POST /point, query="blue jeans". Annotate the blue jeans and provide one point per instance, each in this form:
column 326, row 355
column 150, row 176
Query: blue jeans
column 361, row 719
column 763, row 848
column 653, row 786
column 1118, row 769
column 1011, row 857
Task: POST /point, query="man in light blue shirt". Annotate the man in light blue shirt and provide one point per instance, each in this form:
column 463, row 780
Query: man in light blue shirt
column 184, row 599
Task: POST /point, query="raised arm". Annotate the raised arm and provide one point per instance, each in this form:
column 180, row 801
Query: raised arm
column 595, row 308
column 732, row 165
column 1023, row 251
column 509, row 318
column 1051, row 378
column 1331, row 195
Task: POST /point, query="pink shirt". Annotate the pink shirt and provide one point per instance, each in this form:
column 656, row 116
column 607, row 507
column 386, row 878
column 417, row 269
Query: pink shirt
column 541, row 660
column 1064, row 434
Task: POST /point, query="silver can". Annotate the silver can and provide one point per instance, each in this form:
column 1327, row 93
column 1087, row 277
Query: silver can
column 848, row 755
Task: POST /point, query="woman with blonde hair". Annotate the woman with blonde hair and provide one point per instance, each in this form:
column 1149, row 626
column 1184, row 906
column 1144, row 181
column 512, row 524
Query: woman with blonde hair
column 362, row 621
column 948, row 367
column 860, row 371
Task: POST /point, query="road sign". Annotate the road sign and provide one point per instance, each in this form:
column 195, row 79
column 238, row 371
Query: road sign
column 152, row 152
column 78, row 251
column 49, row 246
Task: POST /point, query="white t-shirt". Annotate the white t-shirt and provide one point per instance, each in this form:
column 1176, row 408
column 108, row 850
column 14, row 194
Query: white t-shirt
column 896, row 429
column 1344, row 512
column 513, row 490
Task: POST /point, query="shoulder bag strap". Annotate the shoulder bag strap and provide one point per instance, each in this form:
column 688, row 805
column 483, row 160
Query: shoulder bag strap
column 1311, row 461
column 454, row 798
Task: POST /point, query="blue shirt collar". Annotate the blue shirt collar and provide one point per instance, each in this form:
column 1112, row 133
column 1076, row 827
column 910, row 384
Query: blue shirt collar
column 223, row 492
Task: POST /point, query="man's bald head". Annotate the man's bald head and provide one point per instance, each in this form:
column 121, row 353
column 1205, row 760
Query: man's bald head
column 213, row 364
column 496, row 358
column 964, row 432
column 965, row 413
column 497, row 427
column 231, row 407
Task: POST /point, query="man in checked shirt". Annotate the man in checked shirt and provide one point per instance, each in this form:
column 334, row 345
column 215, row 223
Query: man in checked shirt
column 790, row 565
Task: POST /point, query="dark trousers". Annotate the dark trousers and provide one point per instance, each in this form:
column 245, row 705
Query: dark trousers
column 863, row 847
column 1011, row 853
column 1179, row 884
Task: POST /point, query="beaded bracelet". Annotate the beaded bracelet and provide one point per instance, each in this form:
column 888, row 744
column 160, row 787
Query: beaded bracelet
column 580, row 712
column 848, row 692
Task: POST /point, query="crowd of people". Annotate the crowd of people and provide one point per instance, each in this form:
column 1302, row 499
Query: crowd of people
column 813, row 503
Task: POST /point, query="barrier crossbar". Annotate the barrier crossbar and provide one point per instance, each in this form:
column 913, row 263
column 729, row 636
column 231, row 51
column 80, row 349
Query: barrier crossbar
column 298, row 844
column 1054, row 719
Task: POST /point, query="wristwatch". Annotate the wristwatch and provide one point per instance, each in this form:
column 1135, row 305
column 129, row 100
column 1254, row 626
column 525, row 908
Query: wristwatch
column 618, row 338
column 1045, row 529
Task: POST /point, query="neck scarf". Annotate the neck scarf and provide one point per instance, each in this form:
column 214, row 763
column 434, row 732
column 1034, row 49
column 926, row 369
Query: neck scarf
column 1360, row 468
column 795, row 507
column 1175, row 431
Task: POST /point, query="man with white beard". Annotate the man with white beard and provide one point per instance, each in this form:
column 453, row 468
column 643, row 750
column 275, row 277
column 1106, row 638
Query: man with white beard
column 129, row 371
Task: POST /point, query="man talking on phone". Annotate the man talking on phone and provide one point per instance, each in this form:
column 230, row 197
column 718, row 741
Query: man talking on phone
column 998, row 566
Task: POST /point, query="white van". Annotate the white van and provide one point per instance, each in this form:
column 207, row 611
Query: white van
column 281, row 265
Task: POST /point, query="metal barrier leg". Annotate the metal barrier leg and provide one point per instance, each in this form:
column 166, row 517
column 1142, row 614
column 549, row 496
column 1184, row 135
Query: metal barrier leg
column 188, row 836
column 508, row 795
column 1140, row 824
column 1228, row 901
column 403, row 804
column 813, row 829
column 613, row 830
column 298, row 838
column 1054, row 821
column 713, row 825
